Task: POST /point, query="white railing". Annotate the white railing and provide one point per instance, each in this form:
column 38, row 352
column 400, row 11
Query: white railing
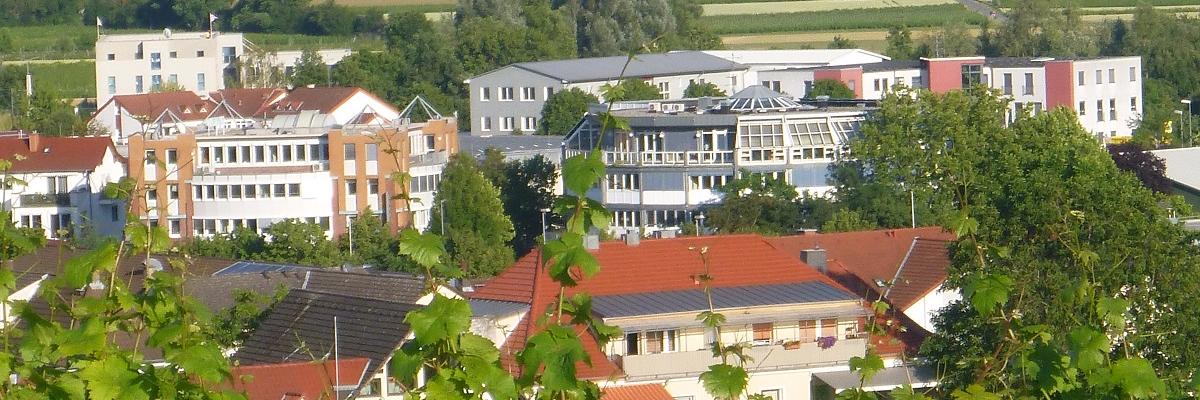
column 663, row 157
column 766, row 358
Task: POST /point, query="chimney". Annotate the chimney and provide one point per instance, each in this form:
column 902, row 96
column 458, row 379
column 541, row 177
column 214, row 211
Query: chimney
column 815, row 258
column 632, row 238
column 591, row 240
column 667, row 234
column 35, row 142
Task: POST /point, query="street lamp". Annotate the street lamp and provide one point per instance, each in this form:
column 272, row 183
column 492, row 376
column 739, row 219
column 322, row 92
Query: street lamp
column 544, row 211
column 1186, row 137
column 699, row 223
column 1188, row 102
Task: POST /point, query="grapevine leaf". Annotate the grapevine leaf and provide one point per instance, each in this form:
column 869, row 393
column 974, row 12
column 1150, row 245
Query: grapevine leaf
column 988, row 292
column 405, row 365
column 974, row 392
column 85, row 339
column 108, row 378
column 963, row 224
column 568, row 253
column 906, row 392
column 439, row 387
column 867, row 366
column 856, row 394
column 1088, row 347
column 1112, row 311
column 473, row 345
column 557, row 349
column 711, row 319
column 581, row 172
column 202, row 360
column 1138, row 378
column 442, row 319
column 725, row 381
column 426, row 249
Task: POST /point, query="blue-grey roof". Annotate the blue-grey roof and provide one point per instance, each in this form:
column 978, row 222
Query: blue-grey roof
column 480, row 307
column 644, row 65
column 629, row 305
column 246, row 267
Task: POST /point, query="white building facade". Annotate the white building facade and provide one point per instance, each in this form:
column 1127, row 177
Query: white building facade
column 141, row 63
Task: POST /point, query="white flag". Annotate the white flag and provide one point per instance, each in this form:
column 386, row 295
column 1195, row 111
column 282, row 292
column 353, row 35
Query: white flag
column 99, row 22
column 212, row 17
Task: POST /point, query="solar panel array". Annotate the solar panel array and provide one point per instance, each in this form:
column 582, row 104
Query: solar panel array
column 253, row 267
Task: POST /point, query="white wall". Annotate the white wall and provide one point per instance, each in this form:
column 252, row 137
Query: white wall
column 85, row 190
column 928, row 306
column 1122, row 89
column 359, row 102
column 791, row 81
column 186, row 65
column 887, row 79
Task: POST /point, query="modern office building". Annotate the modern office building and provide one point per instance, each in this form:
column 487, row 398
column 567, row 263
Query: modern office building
column 212, row 181
column 510, row 99
column 1106, row 92
column 672, row 162
column 770, row 60
column 142, row 62
column 59, row 184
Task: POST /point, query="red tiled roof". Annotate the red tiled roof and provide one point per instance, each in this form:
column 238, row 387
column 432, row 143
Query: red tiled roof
column 658, row 265
column 50, row 153
column 868, row 255
column 249, row 102
column 185, row 105
column 302, row 380
column 924, row 270
column 321, row 99
column 653, row 391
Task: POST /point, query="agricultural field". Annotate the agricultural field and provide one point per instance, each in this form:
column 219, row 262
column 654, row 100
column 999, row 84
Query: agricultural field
column 398, row 6
column 71, row 80
column 777, row 7
column 1112, row 3
column 869, row 18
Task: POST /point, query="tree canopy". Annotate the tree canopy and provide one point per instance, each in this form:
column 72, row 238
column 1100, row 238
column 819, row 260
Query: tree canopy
column 310, row 69
column 563, row 110
column 526, row 188
column 477, row 230
column 703, row 89
column 631, row 90
column 833, row 88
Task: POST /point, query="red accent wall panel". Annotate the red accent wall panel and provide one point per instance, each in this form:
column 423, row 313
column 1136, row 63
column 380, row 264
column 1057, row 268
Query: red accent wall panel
column 1060, row 88
column 851, row 77
column 946, row 75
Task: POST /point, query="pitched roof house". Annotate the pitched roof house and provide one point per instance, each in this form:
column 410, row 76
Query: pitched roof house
column 320, row 380
column 650, row 290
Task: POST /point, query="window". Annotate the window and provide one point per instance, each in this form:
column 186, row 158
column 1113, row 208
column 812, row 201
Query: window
column 228, row 54
column 372, row 151
column 112, row 85
column 57, row 184
column 155, row 61
column 138, row 84
column 138, row 54
column 529, row 124
column 259, row 154
column 264, row 191
column 174, row 54
column 506, row 124
column 549, row 92
column 733, row 82
column 1028, row 83
column 506, row 93
column 763, row 333
column 485, row 123
column 199, row 53
column 348, row 150
column 1133, row 74
column 709, row 182
column 222, row 192
column 60, row 222
column 152, row 195
column 1112, row 75
column 294, row 189
column 1099, row 77
column 210, row 192
column 280, row 190
column 173, row 79
column 151, row 158
column 829, row 327
column 1112, row 109
column 425, row 183
column 1082, row 108
column 528, row 94
column 624, row 181
column 772, row 394
column 664, row 88
column 245, row 154
column 972, row 74
column 761, row 135
column 174, row 226
column 287, row 153
column 351, row 187
column 235, row 192
column 659, row 341
column 852, row 85
column 172, row 191
column 1099, row 110
column 1133, row 105
column 1080, row 78
column 251, row 191
column 916, row 81
column 155, row 82
column 808, row 331
column 1008, row 83
column 200, row 86
column 485, row 94
column 114, row 213
column 112, row 56
column 372, row 186
column 632, row 343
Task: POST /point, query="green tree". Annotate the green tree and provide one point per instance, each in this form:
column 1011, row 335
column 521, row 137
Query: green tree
column 372, row 243
column 293, row 241
column 705, row 89
column 900, row 44
column 310, row 69
column 485, row 43
column 833, row 88
column 845, row 220
column 631, row 90
column 757, row 203
column 952, row 40
column 241, row 244
column 477, row 230
column 328, row 18
column 841, row 42
column 526, row 188
column 1150, row 169
column 232, row 326
column 563, row 110
column 193, row 14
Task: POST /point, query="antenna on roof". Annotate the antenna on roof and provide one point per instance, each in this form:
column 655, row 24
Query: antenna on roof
column 337, row 363
column 425, row 106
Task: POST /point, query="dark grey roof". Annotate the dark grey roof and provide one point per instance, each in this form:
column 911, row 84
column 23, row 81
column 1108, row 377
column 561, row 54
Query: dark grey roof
column 300, row 328
column 507, row 143
column 643, row 65
column 394, row 287
column 628, row 305
column 1015, row 62
column 891, row 65
column 481, row 307
column 216, row 292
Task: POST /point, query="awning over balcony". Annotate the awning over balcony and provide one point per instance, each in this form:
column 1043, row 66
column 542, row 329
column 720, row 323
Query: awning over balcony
column 888, row 379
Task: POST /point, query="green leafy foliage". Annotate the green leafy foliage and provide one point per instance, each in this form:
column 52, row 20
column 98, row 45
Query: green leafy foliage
column 988, row 292
column 833, row 88
column 563, row 109
column 703, row 89
column 477, row 231
column 724, row 381
column 631, row 90
column 442, row 319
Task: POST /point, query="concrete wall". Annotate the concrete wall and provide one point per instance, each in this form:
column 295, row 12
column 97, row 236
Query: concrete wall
column 195, row 53
column 929, row 305
column 1116, row 91
column 488, row 112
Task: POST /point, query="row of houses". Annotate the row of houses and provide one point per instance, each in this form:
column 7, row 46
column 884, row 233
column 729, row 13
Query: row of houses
column 235, row 158
column 1105, row 92
column 798, row 302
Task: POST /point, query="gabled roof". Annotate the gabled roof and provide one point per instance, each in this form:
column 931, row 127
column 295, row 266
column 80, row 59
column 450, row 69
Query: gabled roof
column 651, row 391
column 184, row 105
column 299, row 380
column 924, row 269
column 652, row 267
column 394, row 287
column 301, row 328
column 324, row 100
column 248, row 102
column 595, row 69
column 42, row 153
column 783, row 57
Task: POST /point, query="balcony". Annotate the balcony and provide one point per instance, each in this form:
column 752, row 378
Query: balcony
column 46, row 200
column 664, row 158
column 765, row 358
column 431, row 158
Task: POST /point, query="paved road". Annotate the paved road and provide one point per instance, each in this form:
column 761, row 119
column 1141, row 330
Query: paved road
column 984, row 9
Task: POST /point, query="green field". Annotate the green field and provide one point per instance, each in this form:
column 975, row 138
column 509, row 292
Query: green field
column 1113, row 3
column 77, row 79
column 875, row 18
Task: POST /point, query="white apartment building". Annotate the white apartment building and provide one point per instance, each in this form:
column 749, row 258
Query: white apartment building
column 671, row 164
column 140, row 63
column 63, row 184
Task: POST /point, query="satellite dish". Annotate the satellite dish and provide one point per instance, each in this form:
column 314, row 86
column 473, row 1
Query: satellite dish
column 167, row 32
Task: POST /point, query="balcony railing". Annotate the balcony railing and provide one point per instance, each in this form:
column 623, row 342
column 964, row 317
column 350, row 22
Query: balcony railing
column 46, row 200
column 766, row 358
column 431, row 158
column 668, row 158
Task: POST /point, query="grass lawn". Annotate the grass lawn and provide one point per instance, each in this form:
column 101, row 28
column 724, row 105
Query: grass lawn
column 77, row 79
column 776, row 7
column 874, row 18
column 1114, row 3
column 874, row 40
column 400, row 6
